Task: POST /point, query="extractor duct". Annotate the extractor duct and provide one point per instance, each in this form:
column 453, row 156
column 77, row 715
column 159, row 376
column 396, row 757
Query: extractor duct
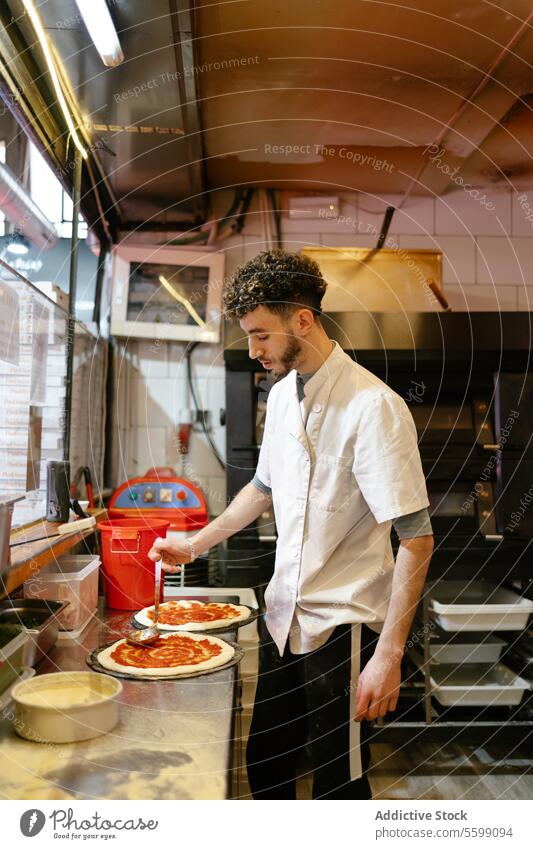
column 23, row 212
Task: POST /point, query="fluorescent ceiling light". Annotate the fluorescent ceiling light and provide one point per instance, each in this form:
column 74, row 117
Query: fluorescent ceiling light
column 102, row 30
column 17, row 244
column 41, row 35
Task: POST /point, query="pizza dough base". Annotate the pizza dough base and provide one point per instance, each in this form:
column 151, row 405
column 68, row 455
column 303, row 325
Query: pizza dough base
column 227, row 653
column 143, row 618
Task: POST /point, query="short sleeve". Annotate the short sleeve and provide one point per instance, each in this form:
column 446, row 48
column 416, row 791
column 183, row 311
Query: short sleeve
column 417, row 524
column 258, row 483
column 387, row 464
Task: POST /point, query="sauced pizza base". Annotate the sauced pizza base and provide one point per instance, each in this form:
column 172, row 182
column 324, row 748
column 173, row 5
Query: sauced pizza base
column 172, row 654
column 185, row 615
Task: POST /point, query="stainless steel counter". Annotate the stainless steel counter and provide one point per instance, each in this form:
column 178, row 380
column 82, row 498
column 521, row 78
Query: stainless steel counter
column 173, row 739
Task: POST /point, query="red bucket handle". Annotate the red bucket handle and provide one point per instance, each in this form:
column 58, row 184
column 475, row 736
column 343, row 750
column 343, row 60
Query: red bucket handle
column 125, row 534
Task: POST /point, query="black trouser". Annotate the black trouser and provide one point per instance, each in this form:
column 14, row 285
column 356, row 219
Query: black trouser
column 304, row 699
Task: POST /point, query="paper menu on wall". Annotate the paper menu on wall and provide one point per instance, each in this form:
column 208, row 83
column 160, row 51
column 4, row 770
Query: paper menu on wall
column 9, row 325
column 39, row 359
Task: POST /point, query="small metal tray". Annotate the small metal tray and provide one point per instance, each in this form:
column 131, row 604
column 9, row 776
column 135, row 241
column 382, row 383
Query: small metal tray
column 231, row 626
column 93, row 662
column 22, row 675
column 44, row 636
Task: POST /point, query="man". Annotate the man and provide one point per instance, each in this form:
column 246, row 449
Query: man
column 340, row 462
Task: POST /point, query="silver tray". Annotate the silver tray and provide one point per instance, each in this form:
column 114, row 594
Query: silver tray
column 41, row 638
column 222, row 630
column 93, row 662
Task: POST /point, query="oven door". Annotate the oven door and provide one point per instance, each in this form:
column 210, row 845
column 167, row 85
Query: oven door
column 463, row 508
column 455, row 440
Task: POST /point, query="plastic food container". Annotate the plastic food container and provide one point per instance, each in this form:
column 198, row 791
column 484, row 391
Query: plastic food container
column 472, row 684
column 74, row 635
column 65, row 707
column 73, row 579
column 465, row 648
column 478, row 606
column 11, row 658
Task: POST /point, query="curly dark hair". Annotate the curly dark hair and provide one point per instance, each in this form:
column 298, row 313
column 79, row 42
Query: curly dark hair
column 276, row 279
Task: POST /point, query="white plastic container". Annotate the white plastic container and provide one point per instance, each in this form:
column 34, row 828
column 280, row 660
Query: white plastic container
column 74, row 635
column 467, row 648
column 472, row 684
column 71, row 578
column 478, row 606
column 65, row 707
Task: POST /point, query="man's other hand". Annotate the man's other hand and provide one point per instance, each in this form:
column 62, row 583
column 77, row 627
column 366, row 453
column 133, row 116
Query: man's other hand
column 378, row 687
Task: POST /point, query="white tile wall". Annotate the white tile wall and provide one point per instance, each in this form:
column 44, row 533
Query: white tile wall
column 159, row 400
column 149, row 357
column 215, row 492
column 488, row 265
column 481, row 298
column 415, row 217
column 505, row 261
column 457, row 213
column 361, row 240
column 525, row 298
column 521, row 211
column 459, row 255
column 149, row 449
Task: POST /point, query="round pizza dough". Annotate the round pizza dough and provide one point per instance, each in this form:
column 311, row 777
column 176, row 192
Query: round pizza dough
column 227, row 653
column 144, row 620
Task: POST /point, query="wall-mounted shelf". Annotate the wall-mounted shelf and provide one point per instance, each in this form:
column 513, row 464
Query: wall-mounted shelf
column 30, row 558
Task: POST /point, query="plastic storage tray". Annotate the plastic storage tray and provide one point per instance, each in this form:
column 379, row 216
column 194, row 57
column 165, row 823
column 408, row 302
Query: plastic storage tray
column 75, row 634
column 73, row 579
column 520, row 657
column 473, row 684
column 11, row 659
column 469, row 647
column 478, row 606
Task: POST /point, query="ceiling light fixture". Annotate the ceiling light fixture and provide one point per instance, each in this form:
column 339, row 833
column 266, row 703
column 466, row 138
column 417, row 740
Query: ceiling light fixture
column 102, row 30
column 313, row 206
column 182, row 300
column 17, row 244
column 41, row 35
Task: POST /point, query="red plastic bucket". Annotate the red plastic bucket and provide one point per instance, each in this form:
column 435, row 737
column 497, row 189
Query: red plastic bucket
column 128, row 572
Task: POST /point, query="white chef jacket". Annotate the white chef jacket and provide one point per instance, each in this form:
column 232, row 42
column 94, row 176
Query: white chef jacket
column 337, row 483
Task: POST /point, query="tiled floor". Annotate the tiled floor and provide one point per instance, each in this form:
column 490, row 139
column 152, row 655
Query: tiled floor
column 425, row 771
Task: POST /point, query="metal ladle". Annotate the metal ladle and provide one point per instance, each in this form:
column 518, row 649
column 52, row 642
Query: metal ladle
column 146, row 637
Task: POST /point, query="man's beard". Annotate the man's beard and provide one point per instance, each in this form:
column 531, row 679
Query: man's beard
column 289, row 357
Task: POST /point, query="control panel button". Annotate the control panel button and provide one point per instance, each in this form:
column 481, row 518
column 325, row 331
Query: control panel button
column 181, row 495
column 148, row 494
column 165, row 495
